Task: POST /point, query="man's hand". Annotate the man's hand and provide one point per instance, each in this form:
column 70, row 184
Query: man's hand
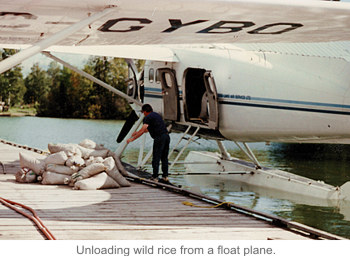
column 137, row 134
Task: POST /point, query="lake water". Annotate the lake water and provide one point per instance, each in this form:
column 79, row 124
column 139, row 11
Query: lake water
column 329, row 163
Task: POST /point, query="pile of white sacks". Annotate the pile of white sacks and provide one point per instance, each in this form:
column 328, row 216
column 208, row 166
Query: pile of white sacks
column 84, row 166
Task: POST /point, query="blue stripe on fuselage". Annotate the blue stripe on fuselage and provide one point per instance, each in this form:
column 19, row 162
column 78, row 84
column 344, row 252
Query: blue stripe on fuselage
column 282, row 104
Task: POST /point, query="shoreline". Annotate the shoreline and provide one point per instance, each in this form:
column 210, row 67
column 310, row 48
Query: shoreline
column 9, row 114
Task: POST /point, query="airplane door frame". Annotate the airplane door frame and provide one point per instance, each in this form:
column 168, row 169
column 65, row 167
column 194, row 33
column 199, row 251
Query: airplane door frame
column 170, row 93
column 200, row 98
column 132, row 88
column 212, row 97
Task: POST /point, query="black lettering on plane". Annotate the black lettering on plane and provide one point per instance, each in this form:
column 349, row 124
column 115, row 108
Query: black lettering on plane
column 219, row 28
column 25, row 15
column 110, row 23
column 291, row 26
column 16, row 26
column 177, row 23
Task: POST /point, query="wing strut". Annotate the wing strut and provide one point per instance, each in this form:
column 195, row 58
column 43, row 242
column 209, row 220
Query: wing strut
column 92, row 78
column 43, row 44
column 249, row 153
column 183, row 149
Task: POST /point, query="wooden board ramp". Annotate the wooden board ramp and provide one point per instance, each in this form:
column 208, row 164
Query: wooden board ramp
column 143, row 211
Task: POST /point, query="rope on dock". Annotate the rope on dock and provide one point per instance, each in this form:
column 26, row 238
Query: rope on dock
column 35, row 218
column 12, row 205
column 187, row 203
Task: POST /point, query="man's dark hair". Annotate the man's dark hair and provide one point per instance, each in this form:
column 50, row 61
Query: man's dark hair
column 147, row 108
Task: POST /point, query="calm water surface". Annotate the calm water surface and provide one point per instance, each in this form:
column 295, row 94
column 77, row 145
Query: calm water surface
column 329, row 163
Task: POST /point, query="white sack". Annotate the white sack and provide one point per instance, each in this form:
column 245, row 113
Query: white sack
column 75, row 161
column 99, row 153
column 28, row 161
column 69, row 149
column 118, row 163
column 87, row 143
column 120, row 179
column 54, row 178
column 109, row 163
column 56, row 158
column 85, row 152
column 92, row 160
column 25, row 176
column 62, row 169
column 96, row 182
column 89, row 171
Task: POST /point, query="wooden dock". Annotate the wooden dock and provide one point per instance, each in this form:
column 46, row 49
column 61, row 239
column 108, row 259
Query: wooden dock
column 137, row 212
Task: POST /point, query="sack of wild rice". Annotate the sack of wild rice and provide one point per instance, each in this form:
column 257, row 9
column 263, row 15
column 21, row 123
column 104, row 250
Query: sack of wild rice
column 75, row 161
column 56, row 158
column 109, row 163
column 62, row 169
column 92, row 160
column 85, row 152
column 89, row 171
column 96, row 182
column 120, row 179
column 28, row 161
column 87, row 143
column 25, row 175
column 52, row 178
column 99, row 153
column 118, row 163
column 121, row 168
column 69, row 149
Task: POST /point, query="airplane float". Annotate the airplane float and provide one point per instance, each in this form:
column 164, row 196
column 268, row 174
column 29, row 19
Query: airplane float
column 246, row 71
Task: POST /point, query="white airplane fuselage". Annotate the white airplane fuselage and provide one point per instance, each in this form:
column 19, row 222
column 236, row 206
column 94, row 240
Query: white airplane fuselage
column 263, row 96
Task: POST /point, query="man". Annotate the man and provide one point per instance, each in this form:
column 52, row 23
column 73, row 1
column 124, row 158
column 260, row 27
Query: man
column 154, row 124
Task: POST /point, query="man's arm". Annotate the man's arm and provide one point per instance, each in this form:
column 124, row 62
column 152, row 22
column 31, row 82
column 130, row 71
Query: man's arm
column 137, row 134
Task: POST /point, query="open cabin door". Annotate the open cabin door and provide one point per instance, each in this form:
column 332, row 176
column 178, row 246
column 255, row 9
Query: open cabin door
column 200, row 98
column 212, row 100
column 170, row 92
column 135, row 87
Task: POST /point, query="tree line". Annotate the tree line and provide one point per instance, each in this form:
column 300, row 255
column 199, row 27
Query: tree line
column 60, row 92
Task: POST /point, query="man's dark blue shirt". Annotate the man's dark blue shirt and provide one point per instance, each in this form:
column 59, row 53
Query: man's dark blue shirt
column 156, row 125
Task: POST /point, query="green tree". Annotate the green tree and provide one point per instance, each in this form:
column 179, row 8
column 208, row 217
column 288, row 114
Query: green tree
column 52, row 106
column 103, row 103
column 38, row 86
column 12, row 86
column 78, row 96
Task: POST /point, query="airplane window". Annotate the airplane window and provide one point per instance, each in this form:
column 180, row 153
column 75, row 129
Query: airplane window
column 157, row 76
column 211, row 85
column 151, row 75
column 168, row 80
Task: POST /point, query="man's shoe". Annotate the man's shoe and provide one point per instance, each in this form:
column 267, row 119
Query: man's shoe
column 164, row 180
column 155, row 179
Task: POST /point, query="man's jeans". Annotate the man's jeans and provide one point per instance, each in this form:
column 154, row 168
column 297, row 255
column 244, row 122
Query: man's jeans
column 160, row 153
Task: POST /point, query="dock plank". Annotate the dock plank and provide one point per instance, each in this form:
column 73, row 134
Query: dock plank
column 135, row 212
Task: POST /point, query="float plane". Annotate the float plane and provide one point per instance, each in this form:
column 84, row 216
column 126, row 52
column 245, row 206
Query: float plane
column 245, row 71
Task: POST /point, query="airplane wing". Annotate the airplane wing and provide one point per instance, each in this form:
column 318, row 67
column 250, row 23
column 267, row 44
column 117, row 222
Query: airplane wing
column 144, row 24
